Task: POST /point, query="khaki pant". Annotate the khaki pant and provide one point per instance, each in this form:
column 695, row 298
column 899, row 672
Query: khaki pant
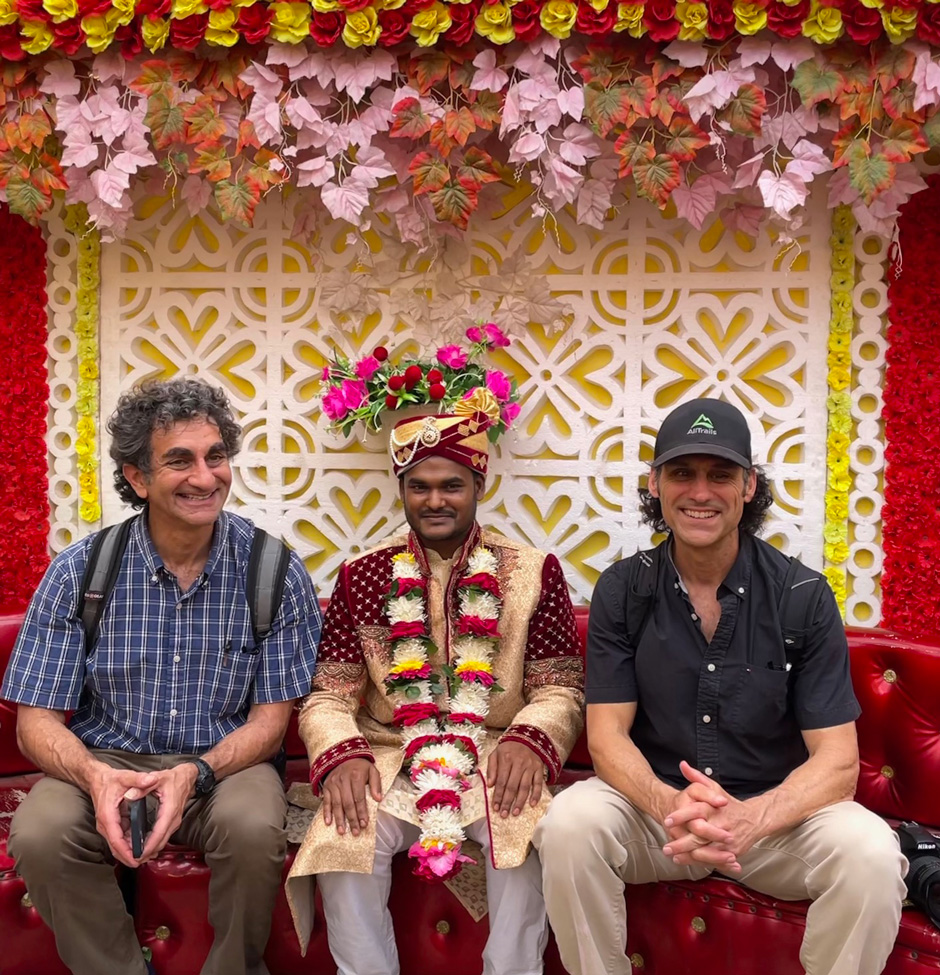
column 846, row 859
column 69, row 871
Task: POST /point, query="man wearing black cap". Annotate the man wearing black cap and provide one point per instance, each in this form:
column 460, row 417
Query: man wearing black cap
column 721, row 725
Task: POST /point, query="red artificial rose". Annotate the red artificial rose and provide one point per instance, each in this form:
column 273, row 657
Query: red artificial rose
column 69, row 36
column 32, row 10
column 88, row 8
column 405, row 586
column 410, row 7
column 395, row 383
column 395, row 27
column 464, row 717
column 380, row 353
column 10, row 49
column 438, row 797
column 660, row 19
column 477, row 626
column 353, row 5
column 325, row 28
column 788, row 21
column 401, row 630
column 128, row 36
column 863, row 24
column 413, row 376
column 720, row 19
column 928, row 23
column 463, row 17
column 525, row 19
column 411, row 714
column 254, row 22
column 416, row 744
column 595, row 23
column 484, row 581
column 188, row 33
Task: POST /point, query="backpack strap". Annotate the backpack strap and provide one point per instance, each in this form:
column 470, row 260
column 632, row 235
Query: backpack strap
column 267, row 571
column 802, row 589
column 101, row 570
column 641, row 592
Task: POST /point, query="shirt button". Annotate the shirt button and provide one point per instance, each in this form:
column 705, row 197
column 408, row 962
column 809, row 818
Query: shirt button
column 741, row 590
column 711, row 667
column 179, row 605
column 694, row 616
column 154, row 578
column 708, row 771
column 173, row 712
column 176, row 659
column 707, row 718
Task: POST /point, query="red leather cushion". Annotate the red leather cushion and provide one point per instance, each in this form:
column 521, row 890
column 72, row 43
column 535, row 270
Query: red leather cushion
column 11, row 761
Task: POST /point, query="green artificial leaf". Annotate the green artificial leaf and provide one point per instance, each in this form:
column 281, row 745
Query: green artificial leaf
column 26, row 199
column 899, row 102
column 685, row 139
column 487, row 109
column 871, row 175
column 461, row 75
column 454, row 203
column 656, row 178
column 662, row 107
column 860, row 104
column 441, row 141
column 410, row 121
column 894, row 62
column 12, row 167
column 224, row 76
column 858, row 76
column 427, row 68
column 428, row 172
column 745, row 111
column 246, row 137
column 155, row 78
column 816, row 84
column 849, row 147
column 606, row 107
column 596, row 65
column 166, row 121
column 204, row 124
column 214, row 162
column 932, row 130
column 47, row 180
column 459, row 125
column 632, row 149
column 639, row 94
column 905, row 138
column 34, row 129
column 476, row 169
column 237, row 199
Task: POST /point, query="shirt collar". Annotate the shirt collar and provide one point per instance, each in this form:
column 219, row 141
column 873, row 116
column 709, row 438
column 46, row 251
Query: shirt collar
column 140, row 533
column 738, row 579
column 461, row 556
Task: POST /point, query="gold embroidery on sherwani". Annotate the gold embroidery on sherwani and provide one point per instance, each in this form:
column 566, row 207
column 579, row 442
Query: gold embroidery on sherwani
column 338, row 678
column 562, row 671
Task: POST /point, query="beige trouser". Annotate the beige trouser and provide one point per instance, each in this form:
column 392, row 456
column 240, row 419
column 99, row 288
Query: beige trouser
column 845, row 858
column 69, row 871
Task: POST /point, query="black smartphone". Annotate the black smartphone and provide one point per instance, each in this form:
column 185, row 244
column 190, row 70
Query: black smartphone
column 138, row 816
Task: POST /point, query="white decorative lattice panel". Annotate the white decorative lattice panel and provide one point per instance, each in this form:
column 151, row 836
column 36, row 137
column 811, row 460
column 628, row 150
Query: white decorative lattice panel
column 655, row 312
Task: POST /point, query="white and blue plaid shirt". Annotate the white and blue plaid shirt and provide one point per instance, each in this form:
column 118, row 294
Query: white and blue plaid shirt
column 171, row 672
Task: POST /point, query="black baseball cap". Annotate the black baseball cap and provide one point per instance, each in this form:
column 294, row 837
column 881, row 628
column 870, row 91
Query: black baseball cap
column 704, row 426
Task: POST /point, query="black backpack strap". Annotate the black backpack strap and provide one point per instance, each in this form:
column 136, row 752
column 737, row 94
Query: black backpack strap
column 802, row 589
column 641, row 590
column 101, row 570
column 267, row 570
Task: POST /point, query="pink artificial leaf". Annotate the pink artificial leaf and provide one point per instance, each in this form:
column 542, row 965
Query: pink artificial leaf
column 265, row 115
column 113, row 126
column 488, row 77
column 196, row 193
column 92, row 110
column 546, row 114
column 375, row 119
column 752, row 51
column 315, row 93
column 80, row 150
column 561, row 183
column 262, row 80
column 718, row 180
column 110, row 65
column 356, row 76
column 785, row 129
column 606, row 169
column 529, row 146
column 68, row 111
column 571, row 102
column 907, row 182
column 315, row 171
column 394, row 199
column 135, row 135
column 532, row 93
column 926, row 76
column 382, row 99
column 371, row 166
column 345, row 201
column 744, row 219
column 841, row 189
column 688, row 53
column 593, row 203
column 60, row 80
column 110, row 185
column 545, row 44
column 80, row 188
column 696, row 203
column 512, row 116
column 305, row 222
column 533, row 64
column 131, row 162
column 808, row 161
column 746, row 174
column 287, row 54
column 870, row 223
column 783, row 193
column 792, row 53
column 384, row 64
column 578, row 144
column 301, row 114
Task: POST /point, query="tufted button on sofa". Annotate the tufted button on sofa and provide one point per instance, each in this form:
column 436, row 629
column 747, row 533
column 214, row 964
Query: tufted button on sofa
column 710, row 927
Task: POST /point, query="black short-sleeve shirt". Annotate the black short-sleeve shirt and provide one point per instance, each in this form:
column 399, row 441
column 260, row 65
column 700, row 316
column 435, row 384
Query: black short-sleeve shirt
column 731, row 707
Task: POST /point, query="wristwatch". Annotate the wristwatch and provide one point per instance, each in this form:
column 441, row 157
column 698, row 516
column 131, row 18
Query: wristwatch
column 205, row 779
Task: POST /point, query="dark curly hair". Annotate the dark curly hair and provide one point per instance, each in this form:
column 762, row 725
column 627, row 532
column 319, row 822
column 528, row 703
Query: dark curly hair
column 156, row 405
column 752, row 518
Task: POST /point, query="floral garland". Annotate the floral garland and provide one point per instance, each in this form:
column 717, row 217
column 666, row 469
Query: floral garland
column 410, row 139
column 442, row 751
column 839, row 402
column 24, row 395
column 30, row 27
column 911, row 517
column 86, row 331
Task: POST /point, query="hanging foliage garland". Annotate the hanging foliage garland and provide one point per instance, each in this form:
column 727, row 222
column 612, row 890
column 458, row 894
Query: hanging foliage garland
column 24, row 395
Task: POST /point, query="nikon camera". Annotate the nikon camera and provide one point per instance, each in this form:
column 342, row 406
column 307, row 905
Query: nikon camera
column 922, row 850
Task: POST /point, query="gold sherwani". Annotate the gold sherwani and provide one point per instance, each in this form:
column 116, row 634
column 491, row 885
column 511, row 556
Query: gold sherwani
column 349, row 715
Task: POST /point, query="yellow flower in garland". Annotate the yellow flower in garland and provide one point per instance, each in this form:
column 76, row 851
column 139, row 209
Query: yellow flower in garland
column 427, row 25
column 155, row 32
column 837, row 507
column 325, row 6
column 630, row 19
column 90, row 511
column 495, row 23
column 694, row 20
column 60, row 10
column 121, row 12
column 599, row 5
column 181, row 9
column 482, row 666
column 558, row 17
column 839, row 377
column 362, row 28
column 899, row 23
column 749, row 18
column 39, row 36
column 291, row 22
column 8, row 14
column 824, row 24
column 220, row 29
column 837, row 443
column 836, row 579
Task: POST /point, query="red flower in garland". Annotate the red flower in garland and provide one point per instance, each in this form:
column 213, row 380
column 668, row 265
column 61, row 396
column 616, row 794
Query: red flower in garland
column 395, row 26
column 863, row 24
column 254, row 22
column 438, row 797
column 476, row 626
column 188, row 33
column 69, row 37
column 462, row 17
column 660, row 19
column 525, row 20
column 325, row 28
column 10, row 49
column 402, row 629
column 595, row 23
column 482, row 580
column 720, row 19
column 928, row 23
column 788, row 21
column 409, row 714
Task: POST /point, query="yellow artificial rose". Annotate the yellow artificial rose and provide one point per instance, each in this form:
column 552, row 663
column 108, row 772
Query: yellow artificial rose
column 694, row 20
column 325, row 6
column 749, row 18
column 60, row 10
column 8, row 14
column 790, row 3
column 843, row 219
column 558, row 17
column 220, row 29
column 88, row 348
column 495, row 22
column 87, row 479
column 824, row 24
column 186, row 8
column 122, row 11
column 839, row 378
column 38, row 37
column 362, row 28
column 874, row 4
column 89, row 495
column 395, row 4
column 842, row 303
column 599, row 5
column 90, row 511
column 87, row 389
column 85, row 406
column 630, row 19
column 290, row 23
column 899, row 23
column 428, row 25
column 840, row 482
column 84, row 446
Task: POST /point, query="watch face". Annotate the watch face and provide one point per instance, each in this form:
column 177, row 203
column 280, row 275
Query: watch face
column 205, row 780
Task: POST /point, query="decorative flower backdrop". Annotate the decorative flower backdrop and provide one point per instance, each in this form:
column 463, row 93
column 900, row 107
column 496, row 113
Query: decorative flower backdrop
column 24, row 507
column 406, row 139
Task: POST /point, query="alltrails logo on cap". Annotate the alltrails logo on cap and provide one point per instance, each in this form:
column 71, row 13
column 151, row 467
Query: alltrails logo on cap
column 703, row 425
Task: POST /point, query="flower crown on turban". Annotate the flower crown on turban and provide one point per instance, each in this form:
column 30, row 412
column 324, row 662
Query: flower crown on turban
column 459, row 436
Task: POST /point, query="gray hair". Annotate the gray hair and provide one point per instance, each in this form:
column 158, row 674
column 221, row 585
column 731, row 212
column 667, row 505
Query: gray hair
column 155, row 405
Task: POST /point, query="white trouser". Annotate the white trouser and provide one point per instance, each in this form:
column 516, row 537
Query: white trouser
column 359, row 925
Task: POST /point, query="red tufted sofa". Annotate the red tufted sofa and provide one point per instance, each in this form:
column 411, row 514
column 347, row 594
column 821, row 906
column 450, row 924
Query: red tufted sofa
column 713, row 927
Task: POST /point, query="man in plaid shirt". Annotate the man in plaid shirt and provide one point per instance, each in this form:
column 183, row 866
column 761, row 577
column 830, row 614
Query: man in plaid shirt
column 174, row 701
